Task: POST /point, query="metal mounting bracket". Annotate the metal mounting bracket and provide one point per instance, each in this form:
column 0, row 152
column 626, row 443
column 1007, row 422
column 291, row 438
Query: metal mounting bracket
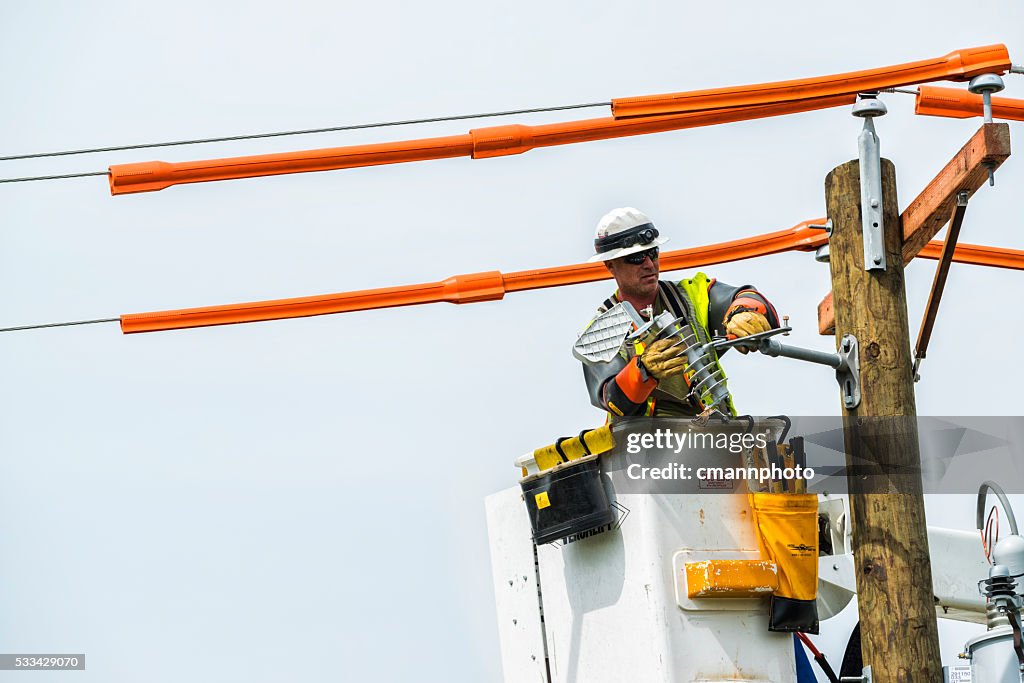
column 931, row 309
column 863, row 678
column 822, row 254
column 845, row 361
column 848, row 371
column 869, row 107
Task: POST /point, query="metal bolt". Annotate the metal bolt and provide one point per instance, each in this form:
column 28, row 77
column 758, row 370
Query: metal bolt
column 877, row 260
column 991, row 173
column 874, row 203
column 827, row 226
column 864, row 678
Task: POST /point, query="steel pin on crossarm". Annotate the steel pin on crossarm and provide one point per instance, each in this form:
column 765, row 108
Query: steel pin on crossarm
column 985, row 85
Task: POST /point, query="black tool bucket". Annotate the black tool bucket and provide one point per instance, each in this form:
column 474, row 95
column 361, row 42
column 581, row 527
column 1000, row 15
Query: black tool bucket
column 567, row 499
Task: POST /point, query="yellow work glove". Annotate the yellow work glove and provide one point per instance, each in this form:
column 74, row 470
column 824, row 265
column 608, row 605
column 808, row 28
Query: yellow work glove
column 664, row 360
column 745, row 324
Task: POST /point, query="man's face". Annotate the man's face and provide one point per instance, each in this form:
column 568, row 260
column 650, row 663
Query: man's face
column 639, row 281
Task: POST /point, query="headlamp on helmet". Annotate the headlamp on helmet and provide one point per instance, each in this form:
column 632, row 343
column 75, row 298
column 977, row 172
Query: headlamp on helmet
column 641, row 234
column 623, row 232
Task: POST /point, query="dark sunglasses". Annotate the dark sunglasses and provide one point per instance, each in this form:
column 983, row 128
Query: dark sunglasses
column 641, row 256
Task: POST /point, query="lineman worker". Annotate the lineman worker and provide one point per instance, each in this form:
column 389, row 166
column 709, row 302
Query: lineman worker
column 627, row 243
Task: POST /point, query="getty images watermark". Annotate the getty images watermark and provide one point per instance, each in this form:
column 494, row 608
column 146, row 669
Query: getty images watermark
column 954, row 454
column 666, row 440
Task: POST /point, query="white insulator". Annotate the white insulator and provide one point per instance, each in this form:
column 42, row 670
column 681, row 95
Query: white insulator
column 1009, row 551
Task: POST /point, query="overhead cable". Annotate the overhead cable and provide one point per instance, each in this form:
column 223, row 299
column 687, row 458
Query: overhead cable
column 961, row 65
column 478, row 143
column 53, row 177
column 67, row 324
column 308, row 131
column 488, row 286
column 630, row 116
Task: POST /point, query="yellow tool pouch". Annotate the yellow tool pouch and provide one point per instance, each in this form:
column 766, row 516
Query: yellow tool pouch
column 588, row 442
column 787, row 534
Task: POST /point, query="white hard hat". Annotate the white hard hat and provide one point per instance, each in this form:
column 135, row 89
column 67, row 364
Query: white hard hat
column 622, row 232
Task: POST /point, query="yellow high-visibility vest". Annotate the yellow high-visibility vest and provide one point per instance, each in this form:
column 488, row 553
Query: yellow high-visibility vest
column 695, row 291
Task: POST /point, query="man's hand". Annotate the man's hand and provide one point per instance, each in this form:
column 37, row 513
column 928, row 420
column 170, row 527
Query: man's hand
column 664, row 360
column 745, row 324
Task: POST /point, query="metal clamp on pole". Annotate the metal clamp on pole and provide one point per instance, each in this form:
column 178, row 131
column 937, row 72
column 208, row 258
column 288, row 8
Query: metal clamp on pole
column 867, row 107
column 822, row 254
column 864, row 678
column 846, row 362
column 985, row 85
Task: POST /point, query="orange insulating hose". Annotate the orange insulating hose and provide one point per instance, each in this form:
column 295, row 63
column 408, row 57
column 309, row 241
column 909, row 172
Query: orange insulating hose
column 659, row 113
column 480, row 143
column 149, row 176
column 956, row 66
column 960, row 104
column 492, row 285
column 977, row 255
column 464, row 289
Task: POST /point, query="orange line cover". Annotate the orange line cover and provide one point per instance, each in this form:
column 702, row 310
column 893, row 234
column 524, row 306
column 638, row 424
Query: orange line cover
column 956, row 66
column 480, row 143
column 977, row 255
column 492, row 285
column 960, row 104
column 464, row 289
column 646, row 114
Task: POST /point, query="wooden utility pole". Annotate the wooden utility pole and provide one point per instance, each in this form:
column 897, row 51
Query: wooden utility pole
column 967, row 171
column 899, row 633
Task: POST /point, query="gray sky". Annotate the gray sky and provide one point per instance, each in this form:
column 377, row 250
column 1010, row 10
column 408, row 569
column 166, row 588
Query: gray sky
column 303, row 499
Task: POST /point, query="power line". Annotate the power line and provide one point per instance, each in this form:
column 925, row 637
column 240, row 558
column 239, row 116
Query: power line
column 52, row 177
column 66, row 324
column 254, row 136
